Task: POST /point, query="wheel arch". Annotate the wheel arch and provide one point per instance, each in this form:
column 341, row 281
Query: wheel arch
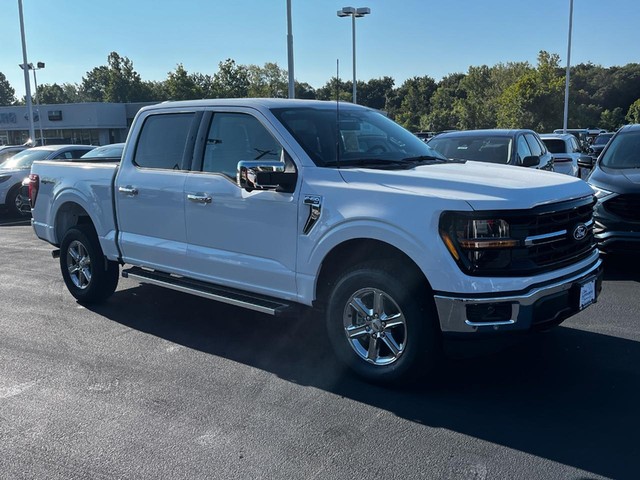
column 68, row 215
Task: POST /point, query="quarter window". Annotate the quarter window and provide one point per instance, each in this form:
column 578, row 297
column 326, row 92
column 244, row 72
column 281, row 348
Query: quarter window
column 523, row 149
column 536, row 148
column 163, row 140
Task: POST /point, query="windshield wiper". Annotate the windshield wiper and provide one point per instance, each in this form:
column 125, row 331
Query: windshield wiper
column 381, row 163
column 430, row 160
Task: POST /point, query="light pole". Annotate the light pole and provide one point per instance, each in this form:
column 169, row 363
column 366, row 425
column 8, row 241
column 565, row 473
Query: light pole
column 566, row 83
column 27, row 83
column 292, row 93
column 39, row 66
column 354, row 13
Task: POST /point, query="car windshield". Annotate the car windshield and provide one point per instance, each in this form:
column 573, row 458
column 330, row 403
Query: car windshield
column 555, row 145
column 362, row 137
column 623, row 152
column 602, row 139
column 25, row 158
column 106, row 151
column 481, row 148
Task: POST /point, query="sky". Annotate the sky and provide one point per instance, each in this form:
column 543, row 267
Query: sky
column 400, row 38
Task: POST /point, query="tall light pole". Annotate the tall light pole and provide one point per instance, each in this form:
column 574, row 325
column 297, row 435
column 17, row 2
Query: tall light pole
column 39, row 66
column 292, row 91
column 566, row 83
column 354, row 13
column 25, row 68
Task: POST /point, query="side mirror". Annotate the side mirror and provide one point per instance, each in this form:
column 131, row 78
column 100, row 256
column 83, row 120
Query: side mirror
column 265, row 175
column 530, row 161
column 585, row 161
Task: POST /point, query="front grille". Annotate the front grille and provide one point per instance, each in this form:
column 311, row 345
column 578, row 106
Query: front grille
column 627, row 207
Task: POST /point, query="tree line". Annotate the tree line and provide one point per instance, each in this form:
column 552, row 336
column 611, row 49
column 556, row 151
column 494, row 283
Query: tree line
column 506, row 95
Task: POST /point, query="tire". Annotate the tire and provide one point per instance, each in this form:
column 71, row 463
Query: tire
column 13, row 197
column 89, row 277
column 383, row 325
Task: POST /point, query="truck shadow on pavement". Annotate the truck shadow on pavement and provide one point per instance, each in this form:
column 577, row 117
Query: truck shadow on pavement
column 569, row 395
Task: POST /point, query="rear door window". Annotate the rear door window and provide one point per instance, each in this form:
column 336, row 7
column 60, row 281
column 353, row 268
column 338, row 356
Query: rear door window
column 163, row 141
column 536, row 147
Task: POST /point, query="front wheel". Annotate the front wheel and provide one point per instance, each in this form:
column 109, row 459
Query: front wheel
column 89, row 277
column 383, row 325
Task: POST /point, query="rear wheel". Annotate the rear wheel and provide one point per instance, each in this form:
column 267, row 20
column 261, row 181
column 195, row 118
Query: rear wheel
column 89, row 277
column 383, row 325
column 16, row 203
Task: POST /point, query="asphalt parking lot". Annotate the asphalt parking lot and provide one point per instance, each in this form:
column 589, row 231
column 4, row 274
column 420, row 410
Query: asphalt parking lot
column 158, row 384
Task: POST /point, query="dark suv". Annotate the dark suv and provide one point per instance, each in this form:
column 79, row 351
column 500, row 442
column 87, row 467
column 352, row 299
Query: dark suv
column 509, row 147
column 616, row 181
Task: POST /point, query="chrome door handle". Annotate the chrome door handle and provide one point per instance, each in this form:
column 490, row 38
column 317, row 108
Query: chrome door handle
column 128, row 190
column 204, row 199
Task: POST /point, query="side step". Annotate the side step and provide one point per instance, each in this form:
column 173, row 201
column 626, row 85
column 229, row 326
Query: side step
column 231, row 296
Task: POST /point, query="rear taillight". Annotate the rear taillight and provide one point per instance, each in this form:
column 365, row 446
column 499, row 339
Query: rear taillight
column 34, row 185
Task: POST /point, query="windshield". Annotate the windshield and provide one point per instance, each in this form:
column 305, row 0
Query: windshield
column 623, row 152
column 602, row 139
column 364, row 137
column 480, row 148
column 106, row 151
column 25, row 158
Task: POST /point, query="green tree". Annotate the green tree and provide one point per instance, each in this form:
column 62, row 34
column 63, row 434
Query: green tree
column 269, row 81
column 304, row 90
column 633, row 114
column 55, row 94
column 442, row 115
column 336, row 88
column 7, row 93
column 376, row 92
column 231, row 80
column 115, row 82
column 536, row 100
column 179, row 85
column 612, row 119
column 415, row 94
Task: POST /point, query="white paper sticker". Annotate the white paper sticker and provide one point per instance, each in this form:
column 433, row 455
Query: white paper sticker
column 587, row 294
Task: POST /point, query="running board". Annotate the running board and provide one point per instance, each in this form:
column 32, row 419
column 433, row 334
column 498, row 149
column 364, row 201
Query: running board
column 230, row 296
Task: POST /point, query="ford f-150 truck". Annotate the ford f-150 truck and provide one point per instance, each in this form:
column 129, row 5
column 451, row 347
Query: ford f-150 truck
column 274, row 205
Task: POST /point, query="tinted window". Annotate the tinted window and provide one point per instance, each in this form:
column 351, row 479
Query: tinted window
column 623, row 152
column 555, row 145
column 163, row 140
column 523, row 149
column 602, row 139
column 234, row 137
column 534, row 145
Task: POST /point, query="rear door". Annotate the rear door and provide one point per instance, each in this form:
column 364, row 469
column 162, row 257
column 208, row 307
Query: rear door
column 149, row 191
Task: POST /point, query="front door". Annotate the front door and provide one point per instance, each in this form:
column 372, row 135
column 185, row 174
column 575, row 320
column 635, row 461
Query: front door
column 236, row 238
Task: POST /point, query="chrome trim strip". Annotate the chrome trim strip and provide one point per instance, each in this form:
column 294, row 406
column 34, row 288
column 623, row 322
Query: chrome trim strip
column 530, row 240
column 199, row 293
column 489, row 324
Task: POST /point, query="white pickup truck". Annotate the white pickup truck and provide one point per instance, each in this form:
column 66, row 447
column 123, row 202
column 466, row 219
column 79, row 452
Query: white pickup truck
column 274, row 205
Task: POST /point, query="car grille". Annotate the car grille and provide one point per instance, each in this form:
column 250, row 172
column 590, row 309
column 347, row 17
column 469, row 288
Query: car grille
column 547, row 236
column 626, row 207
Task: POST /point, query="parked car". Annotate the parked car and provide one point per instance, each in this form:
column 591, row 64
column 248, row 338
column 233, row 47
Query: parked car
column 105, row 153
column 595, row 149
column 616, row 181
column 565, row 150
column 14, row 170
column 508, row 147
column 582, row 135
column 8, row 151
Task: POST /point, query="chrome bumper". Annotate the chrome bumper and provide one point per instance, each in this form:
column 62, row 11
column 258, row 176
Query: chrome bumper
column 453, row 309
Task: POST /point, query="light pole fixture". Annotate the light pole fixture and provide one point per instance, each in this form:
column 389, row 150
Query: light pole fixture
column 354, row 13
column 292, row 90
column 565, row 118
column 24, row 66
column 39, row 66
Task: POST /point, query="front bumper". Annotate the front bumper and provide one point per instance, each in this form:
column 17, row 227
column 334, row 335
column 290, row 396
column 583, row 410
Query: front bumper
column 540, row 307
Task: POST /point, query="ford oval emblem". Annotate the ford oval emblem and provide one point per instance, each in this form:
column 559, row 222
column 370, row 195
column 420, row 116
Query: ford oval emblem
column 580, row 232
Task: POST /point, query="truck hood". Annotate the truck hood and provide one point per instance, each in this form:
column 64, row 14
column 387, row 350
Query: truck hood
column 484, row 186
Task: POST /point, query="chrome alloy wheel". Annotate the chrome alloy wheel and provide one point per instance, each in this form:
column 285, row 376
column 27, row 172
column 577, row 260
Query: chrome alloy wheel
column 375, row 326
column 79, row 265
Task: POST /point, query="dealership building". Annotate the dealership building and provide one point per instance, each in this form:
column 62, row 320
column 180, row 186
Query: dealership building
column 77, row 123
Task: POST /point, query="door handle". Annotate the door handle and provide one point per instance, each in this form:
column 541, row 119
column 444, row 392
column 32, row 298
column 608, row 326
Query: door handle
column 128, row 190
column 204, row 199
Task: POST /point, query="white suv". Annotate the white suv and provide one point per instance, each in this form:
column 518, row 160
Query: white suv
column 565, row 149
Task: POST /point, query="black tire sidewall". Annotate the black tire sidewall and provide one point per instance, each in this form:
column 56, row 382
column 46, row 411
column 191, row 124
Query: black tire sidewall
column 104, row 275
column 422, row 341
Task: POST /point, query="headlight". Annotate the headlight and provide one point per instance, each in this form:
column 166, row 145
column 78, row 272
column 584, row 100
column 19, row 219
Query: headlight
column 4, row 178
column 477, row 243
column 601, row 193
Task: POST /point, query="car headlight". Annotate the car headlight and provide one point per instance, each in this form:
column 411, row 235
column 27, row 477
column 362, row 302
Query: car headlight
column 477, row 244
column 601, row 193
column 4, row 178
